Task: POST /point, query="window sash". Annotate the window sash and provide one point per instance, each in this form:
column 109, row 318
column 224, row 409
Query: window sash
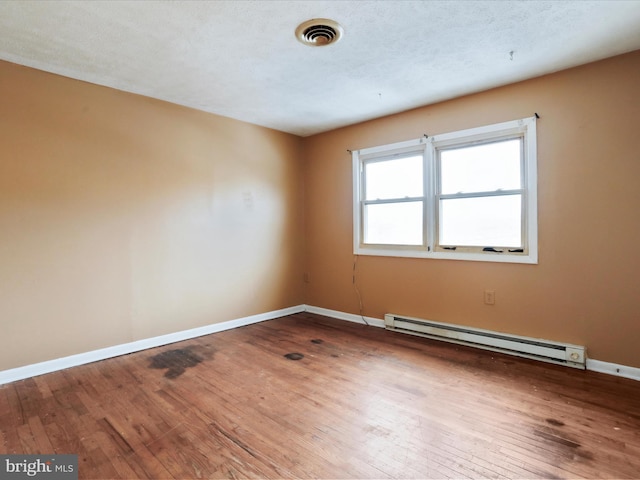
column 484, row 229
column 495, row 139
column 492, row 142
column 395, row 158
column 368, row 233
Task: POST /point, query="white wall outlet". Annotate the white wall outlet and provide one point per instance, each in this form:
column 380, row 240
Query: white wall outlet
column 490, row 297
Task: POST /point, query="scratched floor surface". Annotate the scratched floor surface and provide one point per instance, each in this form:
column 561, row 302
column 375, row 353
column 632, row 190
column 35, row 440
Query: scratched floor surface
column 309, row 397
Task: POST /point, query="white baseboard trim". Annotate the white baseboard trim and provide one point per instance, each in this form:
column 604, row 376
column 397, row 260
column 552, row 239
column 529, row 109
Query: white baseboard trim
column 28, row 371
column 613, row 369
column 349, row 317
column 593, row 365
column 33, row 370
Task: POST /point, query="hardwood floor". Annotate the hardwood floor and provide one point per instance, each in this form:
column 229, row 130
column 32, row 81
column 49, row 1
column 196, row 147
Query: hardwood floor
column 361, row 403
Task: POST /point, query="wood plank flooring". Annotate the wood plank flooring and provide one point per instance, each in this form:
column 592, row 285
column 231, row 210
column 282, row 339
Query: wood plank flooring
column 361, row 403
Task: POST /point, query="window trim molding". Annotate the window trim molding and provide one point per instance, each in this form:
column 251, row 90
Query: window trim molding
column 428, row 146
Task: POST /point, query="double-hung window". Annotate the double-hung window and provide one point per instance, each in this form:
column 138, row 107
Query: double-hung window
column 466, row 195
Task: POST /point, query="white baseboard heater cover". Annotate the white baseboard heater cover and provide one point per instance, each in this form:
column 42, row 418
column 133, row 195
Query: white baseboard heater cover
column 546, row 351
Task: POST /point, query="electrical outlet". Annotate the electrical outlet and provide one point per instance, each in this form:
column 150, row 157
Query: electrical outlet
column 490, row 297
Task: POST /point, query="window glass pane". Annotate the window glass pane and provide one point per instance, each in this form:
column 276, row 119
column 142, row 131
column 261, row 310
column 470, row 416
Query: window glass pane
column 482, row 221
column 397, row 178
column 481, row 168
column 393, row 223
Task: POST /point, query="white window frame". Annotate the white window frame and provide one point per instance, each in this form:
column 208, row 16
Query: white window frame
column 429, row 148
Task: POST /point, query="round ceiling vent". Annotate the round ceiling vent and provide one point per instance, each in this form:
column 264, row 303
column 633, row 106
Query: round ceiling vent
column 318, row 32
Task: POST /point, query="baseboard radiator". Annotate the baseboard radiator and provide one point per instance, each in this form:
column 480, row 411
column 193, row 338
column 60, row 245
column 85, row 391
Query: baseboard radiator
column 546, row 351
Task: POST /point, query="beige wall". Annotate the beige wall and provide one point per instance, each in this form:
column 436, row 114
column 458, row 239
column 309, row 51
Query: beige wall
column 586, row 287
column 123, row 218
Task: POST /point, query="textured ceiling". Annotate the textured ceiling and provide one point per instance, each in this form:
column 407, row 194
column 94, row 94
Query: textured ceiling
column 240, row 59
